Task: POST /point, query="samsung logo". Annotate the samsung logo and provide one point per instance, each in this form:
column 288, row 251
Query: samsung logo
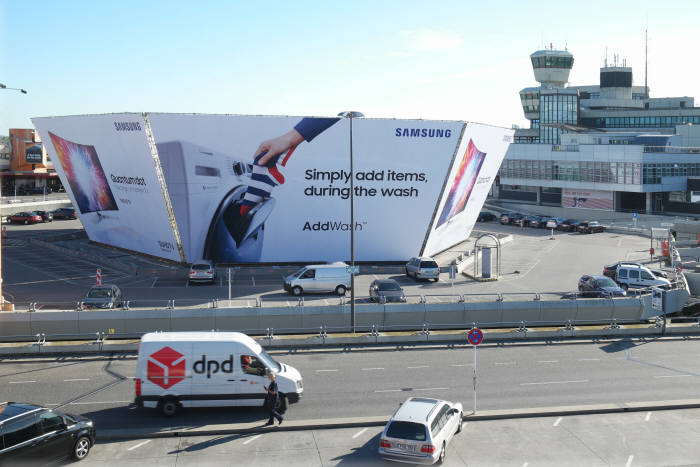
column 127, row 126
column 423, row 133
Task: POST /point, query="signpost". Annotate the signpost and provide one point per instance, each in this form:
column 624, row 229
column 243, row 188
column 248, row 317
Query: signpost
column 475, row 336
column 98, row 278
column 634, row 218
column 453, row 274
column 354, row 270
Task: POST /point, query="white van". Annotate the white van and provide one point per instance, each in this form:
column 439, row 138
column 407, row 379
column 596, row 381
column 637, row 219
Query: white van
column 208, row 369
column 332, row 277
column 636, row 275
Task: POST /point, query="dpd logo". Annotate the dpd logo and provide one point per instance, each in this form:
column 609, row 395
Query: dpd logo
column 166, row 367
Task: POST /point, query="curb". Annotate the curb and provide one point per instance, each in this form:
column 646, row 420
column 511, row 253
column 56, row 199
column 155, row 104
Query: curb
column 361, row 422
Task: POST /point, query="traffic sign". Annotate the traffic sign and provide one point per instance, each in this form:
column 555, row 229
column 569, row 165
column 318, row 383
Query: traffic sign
column 634, row 215
column 475, row 336
column 352, row 269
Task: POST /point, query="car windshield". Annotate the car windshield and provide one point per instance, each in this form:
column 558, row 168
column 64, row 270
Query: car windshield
column 406, row 430
column 270, row 362
column 99, row 293
column 605, row 282
column 428, row 264
column 387, row 286
column 201, row 267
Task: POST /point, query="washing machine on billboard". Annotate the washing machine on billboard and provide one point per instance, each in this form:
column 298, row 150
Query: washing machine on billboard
column 206, row 189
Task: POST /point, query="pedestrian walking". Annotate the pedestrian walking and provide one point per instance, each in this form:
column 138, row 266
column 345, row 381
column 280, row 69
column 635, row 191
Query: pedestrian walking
column 271, row 400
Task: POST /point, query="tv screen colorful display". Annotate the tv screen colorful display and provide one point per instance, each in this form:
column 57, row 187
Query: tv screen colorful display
column 463, row 183
column 85, row 175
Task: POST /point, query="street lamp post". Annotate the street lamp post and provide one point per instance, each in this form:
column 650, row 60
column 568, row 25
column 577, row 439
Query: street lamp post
column 352, row 114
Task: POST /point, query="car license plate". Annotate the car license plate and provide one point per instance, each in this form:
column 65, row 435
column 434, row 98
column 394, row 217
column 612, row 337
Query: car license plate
column 405, row 447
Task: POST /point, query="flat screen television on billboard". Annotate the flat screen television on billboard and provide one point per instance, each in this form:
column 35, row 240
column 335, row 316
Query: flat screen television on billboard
column 463, row 183
column 85, row 175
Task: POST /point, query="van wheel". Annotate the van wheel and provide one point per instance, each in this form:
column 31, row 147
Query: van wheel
column 340, row 290
column 624, row 287
column 81, row 448
column 169, row 406
column 296, row 290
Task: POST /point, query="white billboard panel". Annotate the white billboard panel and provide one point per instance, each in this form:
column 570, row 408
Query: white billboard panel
column 110, row 175
column 480, row 154
column 589, row 199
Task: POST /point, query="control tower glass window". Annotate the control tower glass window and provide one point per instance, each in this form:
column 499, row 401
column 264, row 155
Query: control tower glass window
column 549, row 61
column 555, row 110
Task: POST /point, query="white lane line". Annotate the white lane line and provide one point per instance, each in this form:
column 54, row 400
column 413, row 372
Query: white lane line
column 672, row 376
column 526, row 464
column 504, row 363
column 100, row 402
column 388, row 390
column 629, row 460
column 547, row 361
column 462, row 364
column 250, row 440
column 20, row 382
column 359, row 433
column 646, row 419
column 136, row 446
column 252, row 278
column 419, row 366
column 326, row 300
column 371, row 369
column 375, row 276
column 324, row 371
column 154, row 282
column 431, row 389
column 588, row 359
column 187, row 283
column 555, row 382
column 557, row 422
column 76, row 379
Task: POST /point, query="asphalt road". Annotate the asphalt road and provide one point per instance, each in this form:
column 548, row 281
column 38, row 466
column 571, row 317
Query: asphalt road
column 631, row 439
column 374, row 382
column 532, row 263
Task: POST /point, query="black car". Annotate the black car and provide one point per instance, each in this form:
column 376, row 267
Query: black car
column 46, row 216
column 386, row 290
column 65, row 213
column 510, row 218
column 599, row 286
column 590, row 227
column 537, row 222
column 35, row 435
column 485, row 216
column 569, row 225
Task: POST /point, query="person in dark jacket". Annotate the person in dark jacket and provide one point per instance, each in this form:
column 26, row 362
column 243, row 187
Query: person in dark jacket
column 271, row 400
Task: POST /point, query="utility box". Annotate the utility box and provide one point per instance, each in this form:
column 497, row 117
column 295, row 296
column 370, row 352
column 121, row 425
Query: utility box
column 486, row 263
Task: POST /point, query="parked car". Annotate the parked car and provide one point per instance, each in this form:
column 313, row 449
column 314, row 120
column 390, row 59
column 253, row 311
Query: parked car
column 35, row 435
column 334, row 277
column 537, row 222
column 202, row 271
column 569, row 225
column 420, row 431
column 486, row 216
column 510, row 218
column 633, row 275
column 386, row 290
column 103, row 296
column 554, row 222
column 590, row 227
column 46, row 216
column 423, row 268
column 611, row 270
column 65, row 213
column 24, row 218
column 599, row 286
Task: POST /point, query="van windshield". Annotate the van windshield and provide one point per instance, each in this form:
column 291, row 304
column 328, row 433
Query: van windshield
column 270, row 362
column 299, row 272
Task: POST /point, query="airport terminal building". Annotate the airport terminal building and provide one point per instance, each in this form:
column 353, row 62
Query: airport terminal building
column 609, row 146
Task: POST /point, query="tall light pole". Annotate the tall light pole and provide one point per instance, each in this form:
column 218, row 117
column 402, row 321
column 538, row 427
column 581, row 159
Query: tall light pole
column 2, row 298
column 352, row 114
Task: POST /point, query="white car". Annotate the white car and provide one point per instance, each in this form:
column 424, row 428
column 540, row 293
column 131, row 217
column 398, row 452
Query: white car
column 202, row 271
column 420, row 430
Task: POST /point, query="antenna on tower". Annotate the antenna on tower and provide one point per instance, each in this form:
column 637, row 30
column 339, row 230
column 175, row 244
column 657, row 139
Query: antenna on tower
column 606, row 56
column 646, row 61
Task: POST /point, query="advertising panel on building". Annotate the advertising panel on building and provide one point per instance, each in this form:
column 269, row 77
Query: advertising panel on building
column 248, row 189
column 589, row 199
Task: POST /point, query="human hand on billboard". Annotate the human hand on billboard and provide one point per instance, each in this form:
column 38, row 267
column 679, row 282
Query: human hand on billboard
column 278, row 145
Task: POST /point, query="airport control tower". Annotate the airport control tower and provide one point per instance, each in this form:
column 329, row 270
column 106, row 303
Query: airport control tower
column 552, row 67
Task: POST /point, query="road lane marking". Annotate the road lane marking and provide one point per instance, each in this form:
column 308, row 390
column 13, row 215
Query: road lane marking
column 136, row 446
column 323, row 371
column 672, row 376
column 76, row 379
column 250, row 440
column 431, row 389
column 555, row 382
column 388, row 390
column 419, row 366
column 547, row 361
column 371, row 369
column 557, row 422
column 526, row 464
column 101, row 402
column 462, row 364
column 504, row 363
column 252, row 278
column 359, row 433
column 629, row 460
column 588, row 359
column 20, row 382
column 154, row 282
column 646, row 419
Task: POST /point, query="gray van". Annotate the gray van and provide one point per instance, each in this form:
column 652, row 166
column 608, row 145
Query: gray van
column 319, row 278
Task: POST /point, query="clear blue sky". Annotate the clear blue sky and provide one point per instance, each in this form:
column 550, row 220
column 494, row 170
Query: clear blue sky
column 440, row 60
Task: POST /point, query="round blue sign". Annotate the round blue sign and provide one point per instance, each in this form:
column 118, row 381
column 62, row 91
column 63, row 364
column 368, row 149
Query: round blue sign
column 475, row 336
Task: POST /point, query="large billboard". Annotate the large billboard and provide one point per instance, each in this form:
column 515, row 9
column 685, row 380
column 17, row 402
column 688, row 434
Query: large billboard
column 248, row 189
column 110, row 174
column 589, row 199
